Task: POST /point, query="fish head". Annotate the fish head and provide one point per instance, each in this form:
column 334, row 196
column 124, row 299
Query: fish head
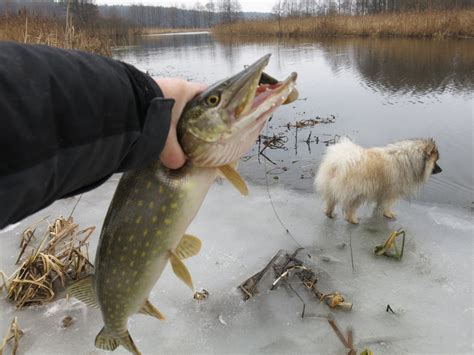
column 219, row 125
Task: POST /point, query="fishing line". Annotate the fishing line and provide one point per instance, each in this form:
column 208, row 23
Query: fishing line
column 273, row 205
column 352, row 254
column 74, row 208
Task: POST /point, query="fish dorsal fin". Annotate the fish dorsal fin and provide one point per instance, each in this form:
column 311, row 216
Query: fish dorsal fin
column 188, row 246
column 234, row 178
column 83, row 290
column 151, row 310
column 181, row 270
column 107, row 341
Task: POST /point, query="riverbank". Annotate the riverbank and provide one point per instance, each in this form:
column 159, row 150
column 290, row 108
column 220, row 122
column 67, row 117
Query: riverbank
column 97, row 38
column 151, row 31
column 433, row 24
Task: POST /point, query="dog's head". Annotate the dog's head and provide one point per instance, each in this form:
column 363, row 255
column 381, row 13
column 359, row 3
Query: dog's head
column 431, row 155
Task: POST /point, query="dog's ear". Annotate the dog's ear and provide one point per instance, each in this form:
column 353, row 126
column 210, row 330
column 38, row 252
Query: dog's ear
column 430, row 148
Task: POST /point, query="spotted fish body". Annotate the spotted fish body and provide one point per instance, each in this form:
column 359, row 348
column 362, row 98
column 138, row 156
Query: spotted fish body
column 152, row 207
column 149, row 214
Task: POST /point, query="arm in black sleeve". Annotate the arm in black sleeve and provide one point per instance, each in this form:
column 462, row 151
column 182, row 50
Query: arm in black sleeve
column 68, row 120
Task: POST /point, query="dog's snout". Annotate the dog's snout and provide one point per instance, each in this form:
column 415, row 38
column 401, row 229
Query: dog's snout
column 436, row 169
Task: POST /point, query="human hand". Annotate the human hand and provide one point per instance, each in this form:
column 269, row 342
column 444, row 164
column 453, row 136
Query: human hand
column 181, row 91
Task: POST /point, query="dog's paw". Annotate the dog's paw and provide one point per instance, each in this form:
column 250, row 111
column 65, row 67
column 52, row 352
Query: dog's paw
column 389, row 215
column 329, row 214
column 352, row 220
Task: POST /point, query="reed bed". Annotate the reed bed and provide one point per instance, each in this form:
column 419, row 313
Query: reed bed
column 25, row 28
column 61, row 257
column 434, row 24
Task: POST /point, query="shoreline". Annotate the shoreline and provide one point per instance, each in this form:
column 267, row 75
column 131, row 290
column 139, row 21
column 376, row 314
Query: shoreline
column 175, row 33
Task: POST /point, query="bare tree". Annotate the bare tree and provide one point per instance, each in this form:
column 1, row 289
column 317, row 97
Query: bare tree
column 307, row 7
column 230, row 10
column 84, row 11
column 277, row 12
column 210, row 10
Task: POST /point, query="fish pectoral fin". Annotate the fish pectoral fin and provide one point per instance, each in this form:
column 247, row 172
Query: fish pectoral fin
column 151, row 310
column 234, row 178
column 181, row 270
column 83, row 290
column 107, row 341
column 188, row 246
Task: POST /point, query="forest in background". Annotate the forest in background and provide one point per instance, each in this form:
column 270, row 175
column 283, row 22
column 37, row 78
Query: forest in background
column 208, row 14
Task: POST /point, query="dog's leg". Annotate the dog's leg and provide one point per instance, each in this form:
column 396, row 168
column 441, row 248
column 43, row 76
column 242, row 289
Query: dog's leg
column 385, row 207
column 330, row 204
column 350, row 211
column 389, row 214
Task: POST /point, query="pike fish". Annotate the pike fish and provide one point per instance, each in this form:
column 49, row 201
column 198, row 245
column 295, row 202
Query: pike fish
column 145, row 226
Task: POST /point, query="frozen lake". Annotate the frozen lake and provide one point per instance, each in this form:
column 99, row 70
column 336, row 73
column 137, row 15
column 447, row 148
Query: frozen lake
column 430, row 290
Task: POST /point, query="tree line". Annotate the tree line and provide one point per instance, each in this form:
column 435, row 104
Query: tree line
column 294, row 8
column 201, row 15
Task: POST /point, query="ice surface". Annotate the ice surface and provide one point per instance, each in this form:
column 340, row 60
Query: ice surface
column 430, row 289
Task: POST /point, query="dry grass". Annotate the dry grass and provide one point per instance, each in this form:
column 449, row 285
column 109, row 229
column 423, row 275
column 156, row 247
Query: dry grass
column 13, row 335
column 40, row 30
column 61, row 256
column 436, row 24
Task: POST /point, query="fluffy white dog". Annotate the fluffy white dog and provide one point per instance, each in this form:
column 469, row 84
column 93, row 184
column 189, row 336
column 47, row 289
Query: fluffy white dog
column 351, row 175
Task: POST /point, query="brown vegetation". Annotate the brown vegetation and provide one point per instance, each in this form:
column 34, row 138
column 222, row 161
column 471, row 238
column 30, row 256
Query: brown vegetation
column 61, row 257
column 436, row 24
column 25, row 28
column 13, row 336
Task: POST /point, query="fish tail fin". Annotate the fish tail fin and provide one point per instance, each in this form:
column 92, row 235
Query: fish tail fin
column 107, row 341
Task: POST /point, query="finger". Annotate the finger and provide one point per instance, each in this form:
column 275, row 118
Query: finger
column 172, row 155
column 195, row 89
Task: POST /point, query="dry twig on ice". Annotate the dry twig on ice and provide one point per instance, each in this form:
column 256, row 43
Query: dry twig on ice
column 14, row 334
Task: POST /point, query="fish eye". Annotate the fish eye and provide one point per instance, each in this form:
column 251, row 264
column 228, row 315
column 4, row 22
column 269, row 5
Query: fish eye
column 213, row 100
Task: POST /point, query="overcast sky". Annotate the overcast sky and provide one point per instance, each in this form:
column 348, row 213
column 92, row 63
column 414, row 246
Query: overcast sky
column 247, row 5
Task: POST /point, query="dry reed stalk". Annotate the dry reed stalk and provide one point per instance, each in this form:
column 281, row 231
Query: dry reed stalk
column 348, row 343
column 26, row 30
column 63, row 255
column 311, row 122
column 14, row 334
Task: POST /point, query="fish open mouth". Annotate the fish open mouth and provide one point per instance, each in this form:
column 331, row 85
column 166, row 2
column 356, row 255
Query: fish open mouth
column 266, row 98
column 253, row 89
column 265, row 91
column 245, row 102
column 250, row 108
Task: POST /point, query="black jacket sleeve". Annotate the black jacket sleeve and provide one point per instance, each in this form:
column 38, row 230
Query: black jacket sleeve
column 68, row 120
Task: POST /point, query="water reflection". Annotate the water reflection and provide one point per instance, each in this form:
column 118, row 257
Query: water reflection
column 418, row 67
column 390, row 65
